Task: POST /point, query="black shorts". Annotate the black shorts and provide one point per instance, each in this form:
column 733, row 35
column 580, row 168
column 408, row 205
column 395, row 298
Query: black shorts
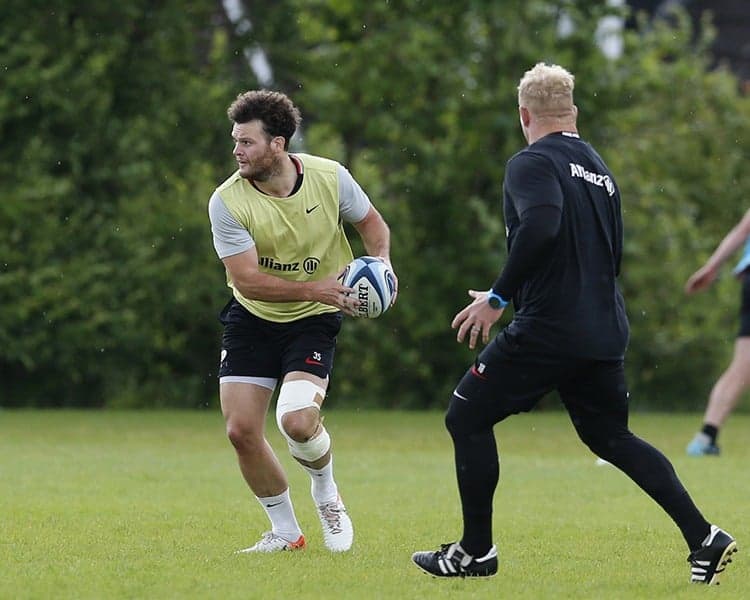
column 255, row 347
column 745, row 306
column 506, row 379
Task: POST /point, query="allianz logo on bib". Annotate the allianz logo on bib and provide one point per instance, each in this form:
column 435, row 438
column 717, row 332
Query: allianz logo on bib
column 597, row 179
column 270, row 263
column 310, row 264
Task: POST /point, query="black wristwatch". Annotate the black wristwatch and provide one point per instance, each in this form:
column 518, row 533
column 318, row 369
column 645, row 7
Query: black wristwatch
column 496, row 301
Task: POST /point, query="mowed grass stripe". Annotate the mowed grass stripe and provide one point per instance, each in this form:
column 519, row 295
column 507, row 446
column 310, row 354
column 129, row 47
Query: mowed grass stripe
column 152, row 505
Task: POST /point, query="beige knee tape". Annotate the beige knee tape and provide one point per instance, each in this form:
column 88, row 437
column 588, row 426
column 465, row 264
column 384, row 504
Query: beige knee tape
column 312, row 449
column 296, row 395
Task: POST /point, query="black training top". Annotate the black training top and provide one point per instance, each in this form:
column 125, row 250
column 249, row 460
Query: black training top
column 564, row 228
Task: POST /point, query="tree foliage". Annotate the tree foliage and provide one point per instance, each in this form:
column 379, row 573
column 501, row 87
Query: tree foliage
column 106, row 165
column 114, row 135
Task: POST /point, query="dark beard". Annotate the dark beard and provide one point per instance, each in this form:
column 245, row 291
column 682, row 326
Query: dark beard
column 266, row 170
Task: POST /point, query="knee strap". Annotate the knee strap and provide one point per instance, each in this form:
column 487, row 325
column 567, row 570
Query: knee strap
column 297, row 395
column 312, row 449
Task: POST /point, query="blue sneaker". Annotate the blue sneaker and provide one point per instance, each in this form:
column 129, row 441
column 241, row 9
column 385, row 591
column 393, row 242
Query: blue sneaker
column 701, row 445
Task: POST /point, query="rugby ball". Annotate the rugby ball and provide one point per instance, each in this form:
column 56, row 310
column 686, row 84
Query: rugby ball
column 374, row 285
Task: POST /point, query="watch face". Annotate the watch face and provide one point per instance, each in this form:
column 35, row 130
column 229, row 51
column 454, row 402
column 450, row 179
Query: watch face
column 494, row 302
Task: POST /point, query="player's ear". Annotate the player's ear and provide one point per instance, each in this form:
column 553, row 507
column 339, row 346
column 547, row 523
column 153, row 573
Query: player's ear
column 524, row 115
column 278, row 143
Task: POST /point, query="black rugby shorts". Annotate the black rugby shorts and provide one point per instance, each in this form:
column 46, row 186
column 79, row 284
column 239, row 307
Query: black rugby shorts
column 745, row 306
column 255, row 347
column 507, row 379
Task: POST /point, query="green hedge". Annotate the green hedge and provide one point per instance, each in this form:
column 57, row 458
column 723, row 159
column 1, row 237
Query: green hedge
column 114, row 135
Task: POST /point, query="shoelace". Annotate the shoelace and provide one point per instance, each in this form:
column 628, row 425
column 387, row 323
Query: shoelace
column 268, row 538
column 331, row 514
column 456, row 558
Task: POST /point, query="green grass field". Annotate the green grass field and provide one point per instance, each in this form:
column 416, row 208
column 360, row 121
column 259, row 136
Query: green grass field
column 152, row 505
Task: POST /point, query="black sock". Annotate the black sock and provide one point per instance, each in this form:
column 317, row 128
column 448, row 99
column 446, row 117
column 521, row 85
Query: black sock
column 477, row 472
column 711, row 431
column 649, row 469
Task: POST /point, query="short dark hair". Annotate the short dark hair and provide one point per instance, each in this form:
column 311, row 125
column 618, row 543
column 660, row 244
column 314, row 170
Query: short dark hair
column 275, row 110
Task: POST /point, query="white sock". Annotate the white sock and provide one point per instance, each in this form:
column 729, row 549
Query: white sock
column 281, row 512
column 323, row 487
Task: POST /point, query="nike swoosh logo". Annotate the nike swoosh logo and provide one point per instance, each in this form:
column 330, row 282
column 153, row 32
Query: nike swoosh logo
column 272, row 505
column 310, row 361
column 457, row 395
column 309, row 210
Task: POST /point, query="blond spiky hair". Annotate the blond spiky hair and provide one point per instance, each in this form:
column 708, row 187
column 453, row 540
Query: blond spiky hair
column 547, row 91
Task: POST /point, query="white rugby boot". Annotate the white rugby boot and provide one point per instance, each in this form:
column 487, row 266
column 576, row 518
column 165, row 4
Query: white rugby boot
column 270, row 542
column 338, row 532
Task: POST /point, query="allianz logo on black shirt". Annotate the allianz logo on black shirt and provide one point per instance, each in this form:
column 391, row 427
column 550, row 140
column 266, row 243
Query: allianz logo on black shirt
column 597, row 179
